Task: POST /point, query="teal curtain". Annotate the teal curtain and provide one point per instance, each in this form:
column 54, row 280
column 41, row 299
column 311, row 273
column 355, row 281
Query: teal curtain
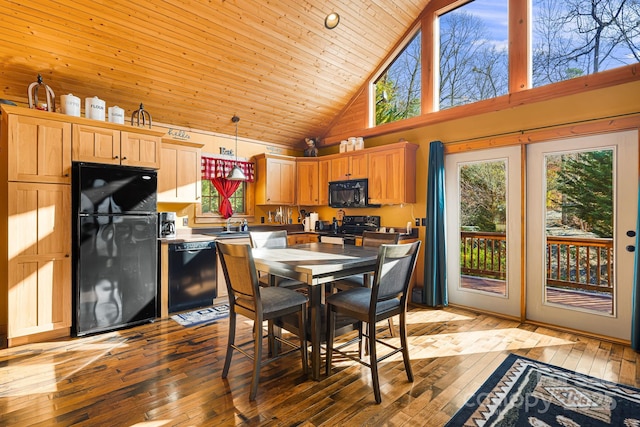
column 434, row 292
column 635, row 303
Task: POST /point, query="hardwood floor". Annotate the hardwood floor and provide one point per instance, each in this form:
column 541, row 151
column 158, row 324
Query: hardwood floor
column 163, row 374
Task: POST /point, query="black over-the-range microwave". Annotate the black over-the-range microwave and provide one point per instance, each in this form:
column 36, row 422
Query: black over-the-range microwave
column 353, row 193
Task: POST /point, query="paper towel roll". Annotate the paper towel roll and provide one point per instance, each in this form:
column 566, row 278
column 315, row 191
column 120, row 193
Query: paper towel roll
column 313, row 218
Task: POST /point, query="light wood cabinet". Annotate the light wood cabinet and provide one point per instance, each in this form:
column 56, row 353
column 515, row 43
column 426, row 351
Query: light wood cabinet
column 35, row 226
column 300, row 238
column 392, row 174
column 313, row 176
column 39, row 279
column 179, row 177
column 275, row 180
column 349, row 166
column 40, row 150
column 107, row 145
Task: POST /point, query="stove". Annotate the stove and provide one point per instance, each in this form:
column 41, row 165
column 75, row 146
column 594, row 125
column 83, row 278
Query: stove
column 356, row 225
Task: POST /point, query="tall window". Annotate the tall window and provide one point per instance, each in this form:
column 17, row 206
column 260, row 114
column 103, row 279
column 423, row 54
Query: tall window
column 211, row 199
column 573, row 38
column 473, row 53
column 398, row 88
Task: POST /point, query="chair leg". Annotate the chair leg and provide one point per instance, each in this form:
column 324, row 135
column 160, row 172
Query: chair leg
column 392, row 330
column 331, row 320
column 405, row 347
column 302, row 329
column 373, row 360
column 257, row 358
column 230, row 343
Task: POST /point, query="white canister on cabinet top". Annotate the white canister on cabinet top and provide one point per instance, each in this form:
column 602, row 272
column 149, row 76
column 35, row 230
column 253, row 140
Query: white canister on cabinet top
column 94, row 108
column 116, row 115
column 70, row 105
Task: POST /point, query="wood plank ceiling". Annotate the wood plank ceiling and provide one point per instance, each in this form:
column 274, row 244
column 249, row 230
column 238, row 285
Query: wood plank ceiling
column 197, row 63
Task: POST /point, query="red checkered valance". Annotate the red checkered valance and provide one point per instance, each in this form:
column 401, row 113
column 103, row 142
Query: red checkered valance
column 213, row 167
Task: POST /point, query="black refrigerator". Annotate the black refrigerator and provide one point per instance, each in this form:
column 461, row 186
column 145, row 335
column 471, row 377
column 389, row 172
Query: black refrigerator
column 114, row 247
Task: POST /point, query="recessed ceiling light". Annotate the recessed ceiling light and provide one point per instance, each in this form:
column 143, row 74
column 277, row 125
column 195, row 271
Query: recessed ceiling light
column 332, row 20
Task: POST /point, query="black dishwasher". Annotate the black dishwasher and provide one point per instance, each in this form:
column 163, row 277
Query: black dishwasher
column 192, row 275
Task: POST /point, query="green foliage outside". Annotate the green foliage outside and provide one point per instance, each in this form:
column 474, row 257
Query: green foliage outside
column 211, row 199
column 580, row 186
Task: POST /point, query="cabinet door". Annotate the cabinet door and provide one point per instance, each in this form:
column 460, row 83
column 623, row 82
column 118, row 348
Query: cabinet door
column 40, row 264
column 38, row 150
column 138, row 149
column 386, row 177
column 324, row 174
column 280, row 188
column 95, row 144
column 349, row 166
column 358, row 166
column 340, row 168
column 180, row 174
column 308, row 183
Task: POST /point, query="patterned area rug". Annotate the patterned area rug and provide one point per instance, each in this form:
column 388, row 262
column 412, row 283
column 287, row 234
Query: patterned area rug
column 202, row 316
column 524, row 392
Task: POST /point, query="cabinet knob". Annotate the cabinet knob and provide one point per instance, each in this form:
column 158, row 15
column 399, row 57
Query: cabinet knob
column 67, row 255
column 116, row 157
column 124, row 158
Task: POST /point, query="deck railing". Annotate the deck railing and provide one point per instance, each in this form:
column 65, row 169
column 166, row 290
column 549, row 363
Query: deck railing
column 572, row 262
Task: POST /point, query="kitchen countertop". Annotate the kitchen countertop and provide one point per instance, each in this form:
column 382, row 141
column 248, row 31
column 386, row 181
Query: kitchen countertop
column 208, row 234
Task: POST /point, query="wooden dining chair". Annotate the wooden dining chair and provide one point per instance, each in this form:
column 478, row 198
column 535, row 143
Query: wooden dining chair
column 274, row 239
column 370, row 239
column 386, row 297
column 260, row 304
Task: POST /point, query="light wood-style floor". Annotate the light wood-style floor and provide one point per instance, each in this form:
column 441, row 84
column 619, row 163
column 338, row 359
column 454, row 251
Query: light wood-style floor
column 163, row 374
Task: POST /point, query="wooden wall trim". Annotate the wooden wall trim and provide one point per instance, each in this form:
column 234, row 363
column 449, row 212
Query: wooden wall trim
column 566, row 130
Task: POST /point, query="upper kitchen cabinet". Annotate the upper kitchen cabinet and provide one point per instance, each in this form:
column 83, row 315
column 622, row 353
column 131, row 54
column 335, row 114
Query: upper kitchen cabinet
column 179, row 177
column 110, row 145
column 313, row 175
column 392, row 174
column 39, row 150
column 349, row 166
column 275, row 180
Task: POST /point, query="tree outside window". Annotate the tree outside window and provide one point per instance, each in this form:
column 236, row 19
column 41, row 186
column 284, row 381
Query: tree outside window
column 573, row 38
column 473, row 53
column 211, row 199
column 398, row 88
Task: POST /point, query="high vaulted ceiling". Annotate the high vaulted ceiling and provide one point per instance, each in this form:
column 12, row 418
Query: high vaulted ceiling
column 197, row 63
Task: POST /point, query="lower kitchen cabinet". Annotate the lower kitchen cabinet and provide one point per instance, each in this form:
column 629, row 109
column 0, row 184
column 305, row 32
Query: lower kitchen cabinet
column 300, row 238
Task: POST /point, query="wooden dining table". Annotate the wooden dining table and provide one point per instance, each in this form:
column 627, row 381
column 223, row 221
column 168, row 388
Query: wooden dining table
column 315, row 264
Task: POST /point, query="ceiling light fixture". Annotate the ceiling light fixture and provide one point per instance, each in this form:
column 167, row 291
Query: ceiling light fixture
column 331, row 21
column 236, row 174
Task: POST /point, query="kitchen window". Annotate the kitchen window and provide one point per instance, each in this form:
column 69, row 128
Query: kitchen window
column 237, row 204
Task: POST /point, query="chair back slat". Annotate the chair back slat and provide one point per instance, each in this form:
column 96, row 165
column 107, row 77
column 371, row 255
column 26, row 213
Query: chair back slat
column 373, row 239
column 240, row 273
column 394, row 269
column 268, row 239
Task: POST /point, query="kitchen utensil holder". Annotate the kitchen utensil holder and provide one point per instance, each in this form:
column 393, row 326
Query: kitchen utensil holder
column 141, row 114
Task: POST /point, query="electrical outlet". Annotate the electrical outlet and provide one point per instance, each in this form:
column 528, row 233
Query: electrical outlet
column 185, row 222
column 424, row 222
column 417, row 222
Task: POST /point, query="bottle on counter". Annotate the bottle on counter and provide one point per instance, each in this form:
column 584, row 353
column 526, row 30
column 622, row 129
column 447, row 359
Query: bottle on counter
column 334, row 226
column 244, row 226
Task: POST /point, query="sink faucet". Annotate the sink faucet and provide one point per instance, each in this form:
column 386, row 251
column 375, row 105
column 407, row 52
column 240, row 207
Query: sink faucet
column 229, row 224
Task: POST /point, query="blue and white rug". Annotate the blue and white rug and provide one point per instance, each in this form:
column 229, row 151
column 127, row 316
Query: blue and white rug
column 525, row 392
column 202, row 316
